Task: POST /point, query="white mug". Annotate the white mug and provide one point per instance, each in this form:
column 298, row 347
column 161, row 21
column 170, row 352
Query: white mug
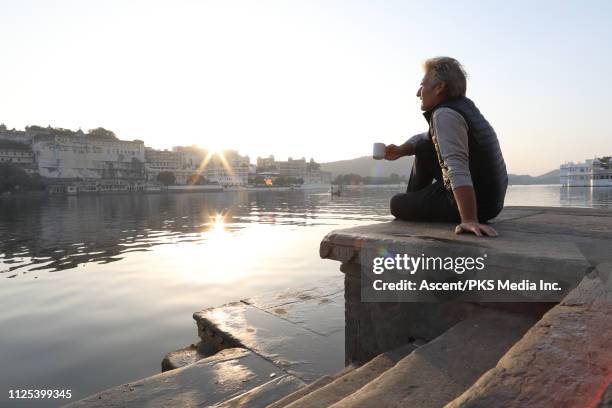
column 379, row 151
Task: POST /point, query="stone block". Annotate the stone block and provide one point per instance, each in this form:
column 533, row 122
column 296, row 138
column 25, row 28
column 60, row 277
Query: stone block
column 442, row 369
column 303, row 352
column 207, row 382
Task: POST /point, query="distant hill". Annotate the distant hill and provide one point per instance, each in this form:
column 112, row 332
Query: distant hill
column 366, row 166
column 552, row 177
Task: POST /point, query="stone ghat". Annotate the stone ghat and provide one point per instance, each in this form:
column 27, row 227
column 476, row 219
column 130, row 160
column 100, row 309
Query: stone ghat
column 562, row 358
column 326, row 345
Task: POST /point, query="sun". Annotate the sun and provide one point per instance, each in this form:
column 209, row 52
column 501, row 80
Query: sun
column 215, row 149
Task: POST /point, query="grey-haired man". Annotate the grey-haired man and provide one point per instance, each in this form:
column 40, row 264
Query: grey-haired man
column 459, row 174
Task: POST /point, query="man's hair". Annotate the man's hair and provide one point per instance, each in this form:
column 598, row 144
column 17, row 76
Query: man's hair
column 449, row 71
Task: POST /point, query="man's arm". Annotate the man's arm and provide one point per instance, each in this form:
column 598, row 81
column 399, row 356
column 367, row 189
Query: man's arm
column 393, row 152
column 466, row 203
column 450, row 132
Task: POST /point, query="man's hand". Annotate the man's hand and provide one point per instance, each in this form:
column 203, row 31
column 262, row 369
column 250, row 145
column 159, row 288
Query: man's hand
column 393, row 152
column 476, row 228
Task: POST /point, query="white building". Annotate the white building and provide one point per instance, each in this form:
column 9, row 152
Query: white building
column 187, row 163
column 18, row 154
column 601, row 172
column 18, row 136
column 88, row 157
column 595, row 172
column 231, row 169
column 158, row 161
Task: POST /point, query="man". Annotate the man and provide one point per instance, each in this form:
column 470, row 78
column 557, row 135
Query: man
column 460, row 153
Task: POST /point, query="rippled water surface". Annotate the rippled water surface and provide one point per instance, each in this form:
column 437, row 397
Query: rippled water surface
column 95, row 290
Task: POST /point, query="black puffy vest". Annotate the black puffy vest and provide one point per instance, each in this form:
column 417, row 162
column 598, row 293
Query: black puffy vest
column 487, row 166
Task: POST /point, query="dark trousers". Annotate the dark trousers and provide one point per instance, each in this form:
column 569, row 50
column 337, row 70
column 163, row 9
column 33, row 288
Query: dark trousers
column 426, row 198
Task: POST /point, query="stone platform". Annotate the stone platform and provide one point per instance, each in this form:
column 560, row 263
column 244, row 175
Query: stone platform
column 564, row 359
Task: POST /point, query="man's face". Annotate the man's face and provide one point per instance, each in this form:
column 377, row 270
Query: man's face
column 430, row 94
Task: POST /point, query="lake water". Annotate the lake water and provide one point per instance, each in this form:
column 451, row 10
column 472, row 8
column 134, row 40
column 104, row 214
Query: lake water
column 95, row 290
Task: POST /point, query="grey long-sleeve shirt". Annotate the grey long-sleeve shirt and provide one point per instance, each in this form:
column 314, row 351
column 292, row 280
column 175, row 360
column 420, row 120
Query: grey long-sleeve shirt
column 450, row 131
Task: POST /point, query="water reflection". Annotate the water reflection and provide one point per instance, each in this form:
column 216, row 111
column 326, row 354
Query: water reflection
column 586, row 196
column 57, row 233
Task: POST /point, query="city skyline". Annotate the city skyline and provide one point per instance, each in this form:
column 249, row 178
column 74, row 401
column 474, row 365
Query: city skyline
column 205, row 149
column 9, row 130
column 329, row 78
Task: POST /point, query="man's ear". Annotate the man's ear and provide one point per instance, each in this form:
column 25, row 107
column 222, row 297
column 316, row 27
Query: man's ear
column 440, row 88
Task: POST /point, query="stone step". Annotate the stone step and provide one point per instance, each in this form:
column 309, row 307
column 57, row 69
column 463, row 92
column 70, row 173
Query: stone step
column 442, row 369
column 352, row 380
column 265, row 394
column 187, row 355
column 300, row 330
column 307, row 389
column 207, row 382
column 564, row 360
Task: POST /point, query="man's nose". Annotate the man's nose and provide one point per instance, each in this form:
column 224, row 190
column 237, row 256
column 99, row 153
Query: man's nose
column 419, row 92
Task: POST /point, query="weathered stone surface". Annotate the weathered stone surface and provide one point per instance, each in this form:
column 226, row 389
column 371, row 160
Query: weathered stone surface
column 520, row 252
column 265, row 394
column 187, row 355
column 352, row 381
column 521, row 230
column 318, row 307
column 534, row 243
column 564, row 360
column 301, row 331
column 315, row 385
column 209, row 381
column 442, row 369
column 307, row 389
column 374, row 328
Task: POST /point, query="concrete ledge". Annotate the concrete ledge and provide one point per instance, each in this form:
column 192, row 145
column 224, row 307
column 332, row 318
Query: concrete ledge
column 534, row 244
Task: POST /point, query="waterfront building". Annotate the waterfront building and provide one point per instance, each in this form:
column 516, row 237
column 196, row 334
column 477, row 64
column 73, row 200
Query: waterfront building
column 293, row 168
column 601, row 172
column 158, row 161
column 595, row 172
column 79, row 156
column 267, row 164
column 310, row 172
column 190, row 157
column 57, row 153
column 17, row 136
column 19, row 154
column 182, row 161
column 187, row 163
column 230, row 169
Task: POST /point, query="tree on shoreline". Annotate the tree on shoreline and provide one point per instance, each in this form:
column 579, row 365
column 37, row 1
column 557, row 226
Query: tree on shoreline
column 15, row 178
column 167, row 178
column 356, row 179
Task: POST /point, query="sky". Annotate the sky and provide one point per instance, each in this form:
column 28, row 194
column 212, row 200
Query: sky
column 322, row 79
